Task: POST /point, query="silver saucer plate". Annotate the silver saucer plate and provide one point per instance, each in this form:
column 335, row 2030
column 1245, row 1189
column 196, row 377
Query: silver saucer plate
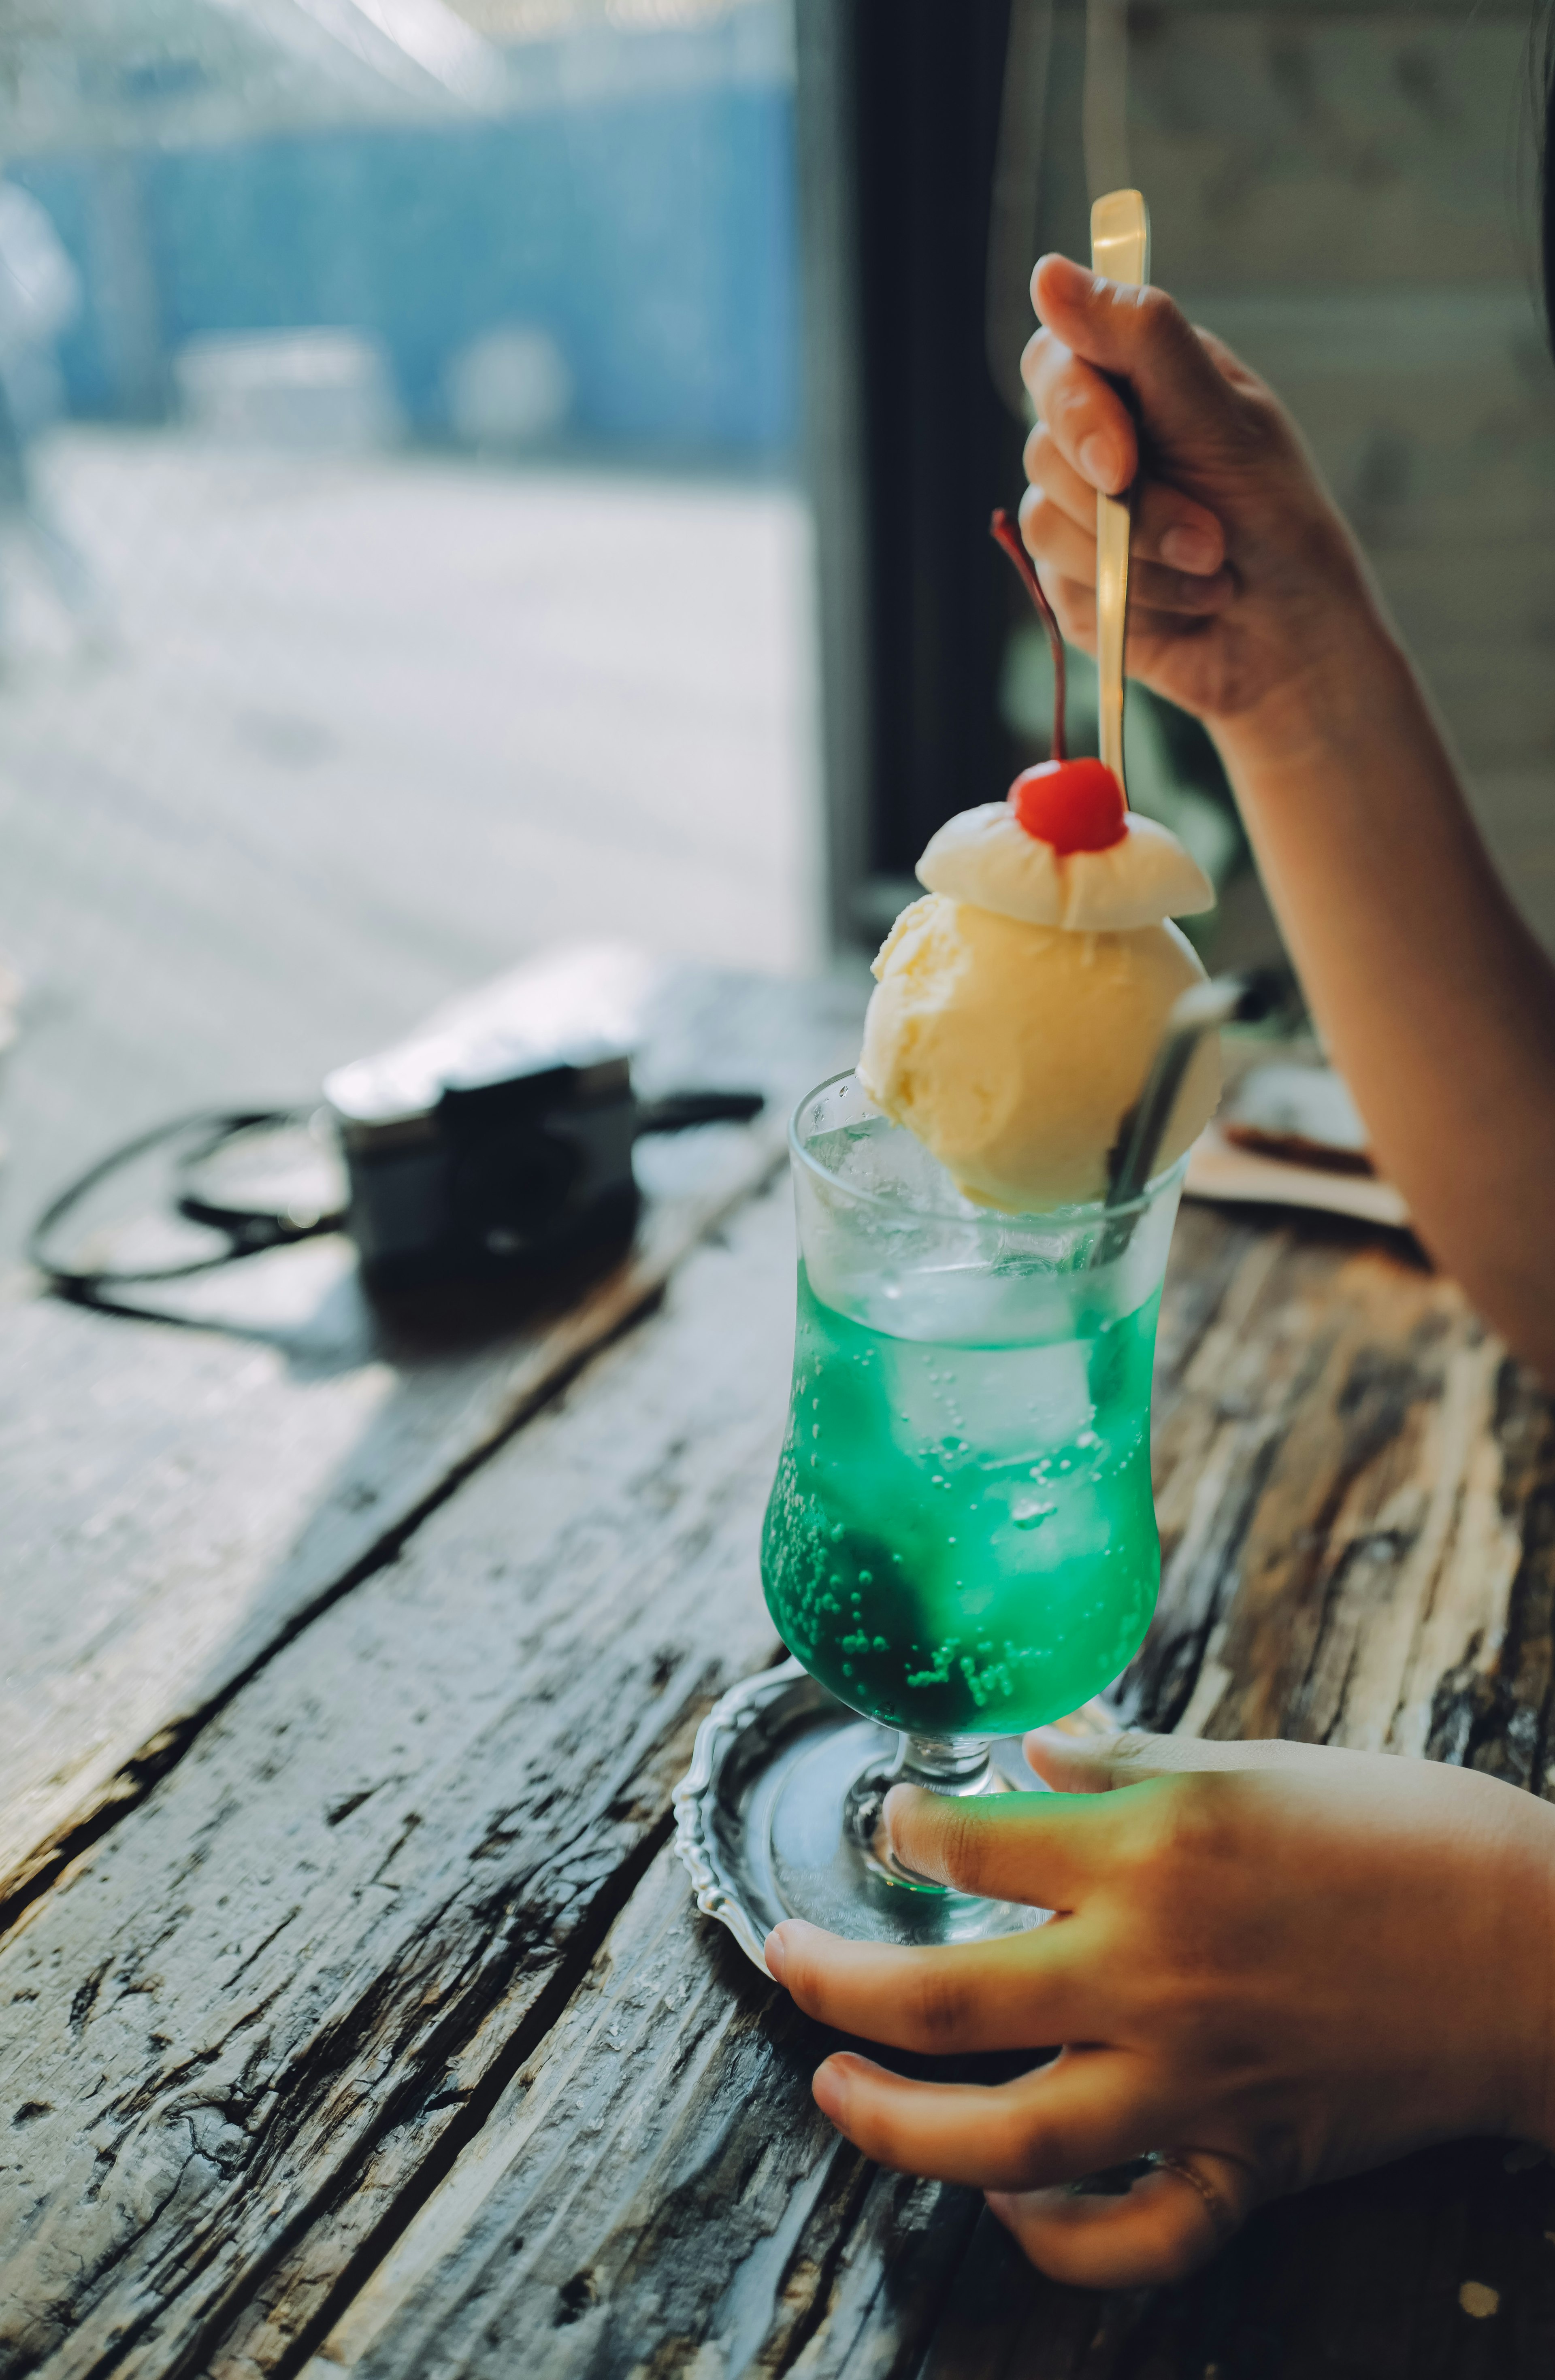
column 745, row 1750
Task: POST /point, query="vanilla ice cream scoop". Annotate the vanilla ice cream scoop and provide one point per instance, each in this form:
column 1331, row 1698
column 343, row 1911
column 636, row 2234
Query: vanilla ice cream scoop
column 1019, row 1007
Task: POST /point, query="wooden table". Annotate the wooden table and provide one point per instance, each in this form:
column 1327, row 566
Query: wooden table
column 354, row 2015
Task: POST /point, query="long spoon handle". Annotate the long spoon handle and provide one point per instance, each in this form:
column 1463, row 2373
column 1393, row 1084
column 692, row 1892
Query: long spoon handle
column 1119, row 246
column 1225, row 999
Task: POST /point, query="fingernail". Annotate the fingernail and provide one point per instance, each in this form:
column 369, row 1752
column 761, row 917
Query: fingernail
column 771, row 1951
column 899, row 1799
column 1055, row 267
column 829, row 2089
column 1191, row 549
column 1098, row 461
column 1058, row 281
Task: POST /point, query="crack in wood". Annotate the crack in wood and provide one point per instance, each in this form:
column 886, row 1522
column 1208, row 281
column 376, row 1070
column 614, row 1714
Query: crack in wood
column 274, row 1935
column 676, row 2156
column 806, row 2283
column 139, row 1777
column 475, row 2109
column 1216, row 1432
column 377, row 2006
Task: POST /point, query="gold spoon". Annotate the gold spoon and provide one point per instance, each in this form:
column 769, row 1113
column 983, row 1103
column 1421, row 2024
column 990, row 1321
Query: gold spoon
column 1119, row 246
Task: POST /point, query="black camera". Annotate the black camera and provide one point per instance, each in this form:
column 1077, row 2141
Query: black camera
column 499, row 1144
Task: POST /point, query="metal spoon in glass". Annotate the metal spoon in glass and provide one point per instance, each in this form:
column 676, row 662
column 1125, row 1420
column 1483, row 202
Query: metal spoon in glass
column 1203, row 1008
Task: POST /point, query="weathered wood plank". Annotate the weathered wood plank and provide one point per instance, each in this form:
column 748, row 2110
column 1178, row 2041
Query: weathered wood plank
column 653, row 2196
column 176, row 1500
column 316, row 1935
column 657, row 2192
column 1347, row 1470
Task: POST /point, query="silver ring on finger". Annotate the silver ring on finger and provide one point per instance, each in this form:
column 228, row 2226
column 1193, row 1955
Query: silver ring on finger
column 1180, row 2162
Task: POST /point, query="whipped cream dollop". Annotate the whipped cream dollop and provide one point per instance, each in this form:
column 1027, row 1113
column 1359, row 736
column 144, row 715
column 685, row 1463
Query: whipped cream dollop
column 987, row 857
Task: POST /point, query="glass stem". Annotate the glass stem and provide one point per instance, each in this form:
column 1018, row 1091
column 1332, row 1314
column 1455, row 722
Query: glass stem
column 945, row 1764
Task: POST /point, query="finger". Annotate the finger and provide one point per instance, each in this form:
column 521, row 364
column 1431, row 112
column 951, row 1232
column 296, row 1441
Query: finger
column 1051, row 472
column 1051, row 535
column 1025, row 1991
column 1140, row 337
column 1002, row 1846
column 1084, row 2112
column 1097, row 1764
column 1092, row 426
column 1168, row 525
column 1172, row 2221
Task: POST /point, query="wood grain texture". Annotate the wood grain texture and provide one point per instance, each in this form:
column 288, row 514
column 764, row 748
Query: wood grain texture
column 657, row 2192
column 244, row 2021
column 1354, row 1488
column 1358, row 1498
column 177, row 1499
column 380, row 2033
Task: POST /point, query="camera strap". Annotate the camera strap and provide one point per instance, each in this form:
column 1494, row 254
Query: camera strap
column 248, row 1231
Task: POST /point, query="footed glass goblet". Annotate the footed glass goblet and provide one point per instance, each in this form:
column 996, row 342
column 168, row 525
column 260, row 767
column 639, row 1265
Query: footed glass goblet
column 961, row 1539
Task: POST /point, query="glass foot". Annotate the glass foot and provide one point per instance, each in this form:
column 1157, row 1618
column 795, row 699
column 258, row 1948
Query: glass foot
column 832, row 1862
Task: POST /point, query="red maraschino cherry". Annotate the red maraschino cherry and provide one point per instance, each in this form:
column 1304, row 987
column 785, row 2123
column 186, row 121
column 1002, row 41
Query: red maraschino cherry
column 1074, row 804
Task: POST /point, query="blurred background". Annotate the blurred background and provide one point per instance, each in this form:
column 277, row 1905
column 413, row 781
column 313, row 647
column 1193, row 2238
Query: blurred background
column 475, row 473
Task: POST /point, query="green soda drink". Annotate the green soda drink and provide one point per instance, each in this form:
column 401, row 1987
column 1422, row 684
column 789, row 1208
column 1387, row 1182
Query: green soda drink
column 960, row 1539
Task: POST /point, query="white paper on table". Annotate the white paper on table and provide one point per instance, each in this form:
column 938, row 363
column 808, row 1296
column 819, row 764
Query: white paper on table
column 1220, row 1171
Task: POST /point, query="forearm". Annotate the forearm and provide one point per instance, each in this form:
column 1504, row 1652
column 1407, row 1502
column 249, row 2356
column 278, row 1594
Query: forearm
column 1437, row 1002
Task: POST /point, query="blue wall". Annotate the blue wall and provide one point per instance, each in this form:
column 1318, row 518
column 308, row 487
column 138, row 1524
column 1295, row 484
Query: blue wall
column 653, row 237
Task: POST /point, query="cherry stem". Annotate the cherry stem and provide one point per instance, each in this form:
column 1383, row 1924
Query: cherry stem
column 1002, row 530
